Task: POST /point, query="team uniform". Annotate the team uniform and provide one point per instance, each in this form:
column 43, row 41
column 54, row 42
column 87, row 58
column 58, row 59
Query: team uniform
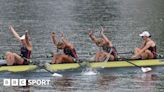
column 154, row 51
column 71, row 53
column 111, row 50
column 25, row 54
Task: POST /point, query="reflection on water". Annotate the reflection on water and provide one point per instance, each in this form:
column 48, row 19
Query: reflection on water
column 106, row 83
column 91, row 83
column 122, row 19
column 145, row 82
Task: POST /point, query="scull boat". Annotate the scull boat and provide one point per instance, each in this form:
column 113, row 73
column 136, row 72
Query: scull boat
column 111, row 64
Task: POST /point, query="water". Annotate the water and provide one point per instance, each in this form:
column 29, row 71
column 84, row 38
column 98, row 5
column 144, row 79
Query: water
column 123, row 20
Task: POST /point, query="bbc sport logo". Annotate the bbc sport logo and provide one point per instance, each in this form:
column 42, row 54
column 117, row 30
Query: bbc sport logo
column 25, row 82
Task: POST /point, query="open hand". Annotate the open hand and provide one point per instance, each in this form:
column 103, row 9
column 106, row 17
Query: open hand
column 90, row 33
column 102, row 30
column 10, row 27
column 62, row 34
column 53, row 33
column 26, row 31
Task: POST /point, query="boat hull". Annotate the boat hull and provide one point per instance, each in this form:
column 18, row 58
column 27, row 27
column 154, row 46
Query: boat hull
column 20, row 68
column 112, row 64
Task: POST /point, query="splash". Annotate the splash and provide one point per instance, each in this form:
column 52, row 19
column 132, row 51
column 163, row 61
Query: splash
column 89, row 71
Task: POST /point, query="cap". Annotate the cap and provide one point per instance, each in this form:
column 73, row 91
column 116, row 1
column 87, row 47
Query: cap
column 22, row 37
column 145, row 33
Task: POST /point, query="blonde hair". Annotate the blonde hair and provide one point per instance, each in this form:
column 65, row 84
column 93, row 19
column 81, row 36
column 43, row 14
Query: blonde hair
column 59, row 45
column 99, row 41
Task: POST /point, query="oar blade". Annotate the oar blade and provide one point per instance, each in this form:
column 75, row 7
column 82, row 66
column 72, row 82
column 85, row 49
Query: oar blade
column 147, row 69
column 48, row 68
column 57, row 75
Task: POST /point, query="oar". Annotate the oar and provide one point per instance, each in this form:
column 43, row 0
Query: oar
column 131, row 52
column 45, row 66
column 144, row 69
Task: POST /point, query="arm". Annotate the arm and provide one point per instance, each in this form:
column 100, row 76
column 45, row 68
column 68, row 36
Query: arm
column 53, row 37
column 142, row 45
column 104, row 37
column 93, row 38
column 14, row 33
column 28, row 43
column 143, row 49
column 66, row 42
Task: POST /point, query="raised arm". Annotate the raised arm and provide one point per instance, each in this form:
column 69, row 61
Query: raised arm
column 53, row 37
column 28, row 43
column 93, row 38
column 14, row 33
column 104, row 37
column 66, row 42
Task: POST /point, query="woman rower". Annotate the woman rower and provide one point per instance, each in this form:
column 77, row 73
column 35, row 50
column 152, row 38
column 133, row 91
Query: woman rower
column 148, row 48
column 109, row 52
column 25, row 50
column 69, row 55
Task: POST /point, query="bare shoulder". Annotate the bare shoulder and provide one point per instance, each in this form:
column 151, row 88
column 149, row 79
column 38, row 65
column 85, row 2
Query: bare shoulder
column 72, row 46
column 151, row 43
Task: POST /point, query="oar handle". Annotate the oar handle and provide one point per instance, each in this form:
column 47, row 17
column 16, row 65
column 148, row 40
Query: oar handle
column 133, row 64
column 127, row 60
column 131, row 52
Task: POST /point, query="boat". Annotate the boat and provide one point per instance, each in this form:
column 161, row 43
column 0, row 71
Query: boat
column 16, row 68
column 66, row 66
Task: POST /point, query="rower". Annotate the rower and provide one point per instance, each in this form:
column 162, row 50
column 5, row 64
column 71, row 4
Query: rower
column 148, row 48
column 25, row 50
column 69, row 55
column 109, row 52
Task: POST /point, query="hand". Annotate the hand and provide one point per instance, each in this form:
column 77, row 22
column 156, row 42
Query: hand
column 62, row 34
column 53, row 33
column 102, row 30
column 134, row 57
column 26, row 31
column 90, row 33
column 10, row 27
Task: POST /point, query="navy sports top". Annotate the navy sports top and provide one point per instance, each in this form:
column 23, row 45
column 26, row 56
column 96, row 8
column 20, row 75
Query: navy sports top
column 70, row 52
column 25, row 52
column 111, row 50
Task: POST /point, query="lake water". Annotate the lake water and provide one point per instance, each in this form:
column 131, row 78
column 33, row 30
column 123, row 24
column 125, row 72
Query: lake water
column 123, row 20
